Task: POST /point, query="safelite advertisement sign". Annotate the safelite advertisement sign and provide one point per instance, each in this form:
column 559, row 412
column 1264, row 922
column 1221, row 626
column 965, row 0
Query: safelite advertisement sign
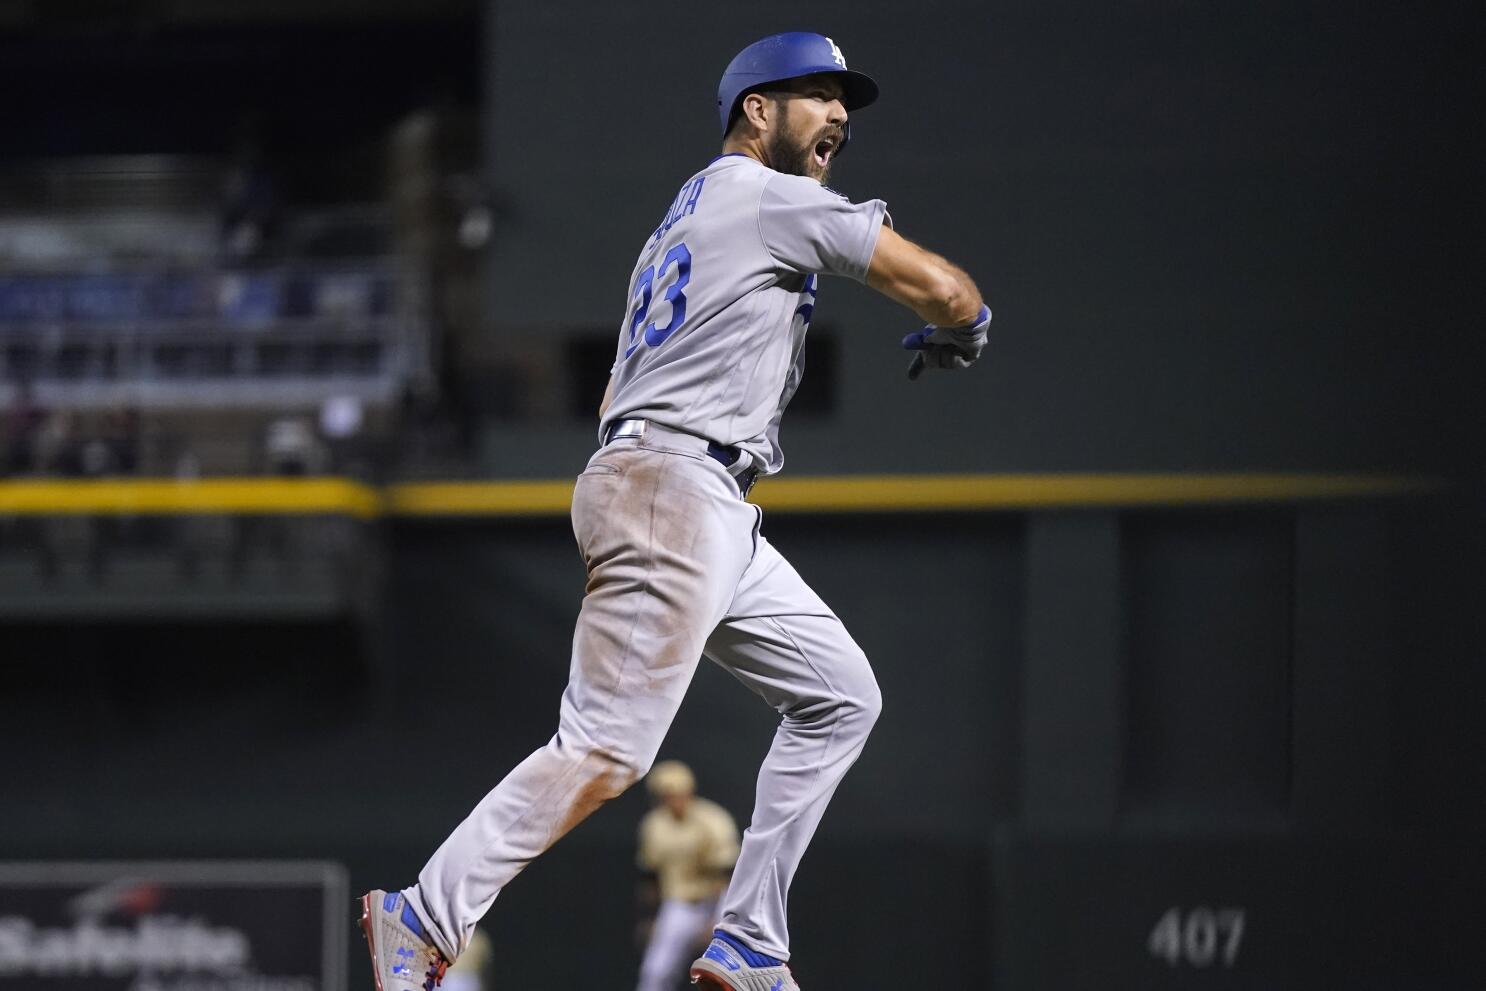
column 173, row 926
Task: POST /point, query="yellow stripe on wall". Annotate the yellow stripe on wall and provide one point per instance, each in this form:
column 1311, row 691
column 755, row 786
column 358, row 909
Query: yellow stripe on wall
column 905, row 493
column 543, row 498
column 891, row 493
column 160, row 496
column 821, row 494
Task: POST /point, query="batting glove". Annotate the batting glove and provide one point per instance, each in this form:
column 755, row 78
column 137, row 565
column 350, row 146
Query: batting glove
column 947, row 347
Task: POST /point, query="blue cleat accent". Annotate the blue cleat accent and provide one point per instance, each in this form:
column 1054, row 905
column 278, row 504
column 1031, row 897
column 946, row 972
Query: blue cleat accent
column 730, row 964
column 403, row 956
column 722, row 956
column 750, row 956
column 411, row 920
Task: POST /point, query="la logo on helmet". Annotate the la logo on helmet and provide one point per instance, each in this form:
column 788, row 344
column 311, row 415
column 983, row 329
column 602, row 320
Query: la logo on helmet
column 836, row 53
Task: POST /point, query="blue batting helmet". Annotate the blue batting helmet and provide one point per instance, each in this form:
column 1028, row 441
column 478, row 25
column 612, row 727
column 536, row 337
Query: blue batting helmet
column 785, row 56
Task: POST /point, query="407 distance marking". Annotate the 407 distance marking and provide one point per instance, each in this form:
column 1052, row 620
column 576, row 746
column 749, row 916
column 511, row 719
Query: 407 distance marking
column 1197, row 937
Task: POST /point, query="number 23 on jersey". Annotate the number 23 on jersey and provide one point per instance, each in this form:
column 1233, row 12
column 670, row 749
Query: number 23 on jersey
column 679, row 258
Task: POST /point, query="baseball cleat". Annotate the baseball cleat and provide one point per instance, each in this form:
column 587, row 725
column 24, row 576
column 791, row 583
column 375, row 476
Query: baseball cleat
column 731, row 966
column 403, row 957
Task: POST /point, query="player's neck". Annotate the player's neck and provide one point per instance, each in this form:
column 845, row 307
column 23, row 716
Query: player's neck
column 751, row 147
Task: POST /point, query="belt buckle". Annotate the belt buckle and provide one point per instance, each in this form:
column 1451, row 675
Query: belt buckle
column 626, row 429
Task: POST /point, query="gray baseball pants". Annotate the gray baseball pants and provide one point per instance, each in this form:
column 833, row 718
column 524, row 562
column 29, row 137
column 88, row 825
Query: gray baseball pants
column 677, row 568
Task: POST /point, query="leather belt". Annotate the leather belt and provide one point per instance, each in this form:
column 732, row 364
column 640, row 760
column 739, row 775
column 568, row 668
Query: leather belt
column 739, row 466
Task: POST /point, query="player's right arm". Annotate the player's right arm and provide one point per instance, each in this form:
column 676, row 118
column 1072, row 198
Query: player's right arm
column 608, row 397
column 936, row 289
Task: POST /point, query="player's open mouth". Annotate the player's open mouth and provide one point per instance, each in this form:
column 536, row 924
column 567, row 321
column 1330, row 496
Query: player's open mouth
column 823, row 149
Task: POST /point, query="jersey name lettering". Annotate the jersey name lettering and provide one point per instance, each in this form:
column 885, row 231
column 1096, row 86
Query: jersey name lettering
column 684, row 206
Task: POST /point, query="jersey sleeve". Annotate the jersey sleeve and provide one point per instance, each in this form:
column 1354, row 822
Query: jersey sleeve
column 810, row 228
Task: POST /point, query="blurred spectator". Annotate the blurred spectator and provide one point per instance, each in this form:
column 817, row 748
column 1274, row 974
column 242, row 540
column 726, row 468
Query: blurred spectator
column 55, row 444
column 343, row 427
column 23, row 422
column 187, row 465
column 96, row 458
column 341, row 418
column 112, row 446
column 123, row 434
column 291, row 448
column 250, row 207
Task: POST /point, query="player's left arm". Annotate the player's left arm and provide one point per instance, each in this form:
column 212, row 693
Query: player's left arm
column 933, row 287
column 808, row 228
column 939, row 292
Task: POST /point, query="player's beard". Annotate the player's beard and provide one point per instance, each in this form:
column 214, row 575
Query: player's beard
column 793, row 157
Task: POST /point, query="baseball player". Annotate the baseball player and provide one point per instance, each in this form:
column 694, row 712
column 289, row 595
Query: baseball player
column 689, row 846
column 708, row 356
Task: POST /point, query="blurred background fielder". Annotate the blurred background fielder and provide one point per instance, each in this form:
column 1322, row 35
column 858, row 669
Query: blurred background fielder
column 688, row 846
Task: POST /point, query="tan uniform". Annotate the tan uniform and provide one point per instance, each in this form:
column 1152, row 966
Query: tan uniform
column 689, row 855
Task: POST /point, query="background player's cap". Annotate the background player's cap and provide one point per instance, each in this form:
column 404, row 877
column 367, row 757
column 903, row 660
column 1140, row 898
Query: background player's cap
column 785, row 56
column 670, row 777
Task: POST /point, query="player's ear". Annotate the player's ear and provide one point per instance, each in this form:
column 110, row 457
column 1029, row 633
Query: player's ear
column 758, row 110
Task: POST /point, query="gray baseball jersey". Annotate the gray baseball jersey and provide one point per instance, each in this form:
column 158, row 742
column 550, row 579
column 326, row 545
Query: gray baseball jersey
column 712, row 340
column 719, row 304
